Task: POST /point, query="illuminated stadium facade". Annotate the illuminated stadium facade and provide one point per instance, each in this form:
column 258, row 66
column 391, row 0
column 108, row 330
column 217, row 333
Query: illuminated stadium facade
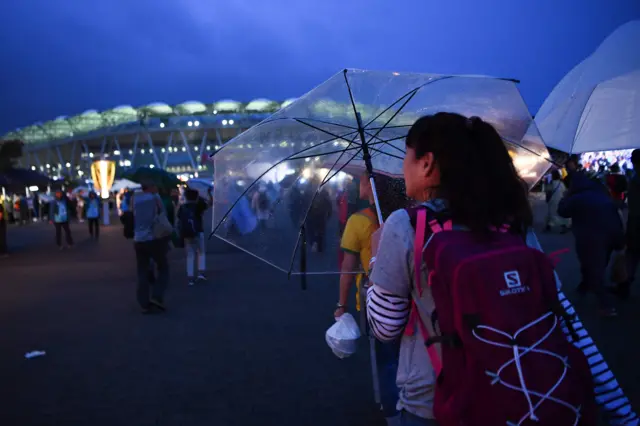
column 174, row 138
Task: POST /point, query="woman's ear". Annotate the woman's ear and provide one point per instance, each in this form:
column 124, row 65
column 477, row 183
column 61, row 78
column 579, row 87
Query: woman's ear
column 428, row 164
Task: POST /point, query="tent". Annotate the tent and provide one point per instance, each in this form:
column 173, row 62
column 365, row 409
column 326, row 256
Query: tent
column 596, row 106
column 121, row 184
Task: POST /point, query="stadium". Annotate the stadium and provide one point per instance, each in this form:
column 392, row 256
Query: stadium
column 174, row 138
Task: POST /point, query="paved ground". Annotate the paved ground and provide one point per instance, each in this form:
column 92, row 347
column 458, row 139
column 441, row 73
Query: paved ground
column 247, row 348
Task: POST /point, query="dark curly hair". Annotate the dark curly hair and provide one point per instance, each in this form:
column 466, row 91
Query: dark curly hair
column 477, row 175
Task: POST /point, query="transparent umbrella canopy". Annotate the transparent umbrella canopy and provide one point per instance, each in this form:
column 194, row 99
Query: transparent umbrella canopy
column 304, row 156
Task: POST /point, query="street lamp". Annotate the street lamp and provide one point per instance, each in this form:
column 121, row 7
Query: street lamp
column 103, row 173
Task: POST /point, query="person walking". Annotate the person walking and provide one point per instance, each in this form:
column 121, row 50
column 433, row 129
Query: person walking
column 3, row 231
column 150, row 247
column 191, row 230
column 92, row 212
column 262, row 206
column 598, row 232
column 632, row 252
column 554, row 194
column 79, row 208
column 318, row 216
column 61, row 220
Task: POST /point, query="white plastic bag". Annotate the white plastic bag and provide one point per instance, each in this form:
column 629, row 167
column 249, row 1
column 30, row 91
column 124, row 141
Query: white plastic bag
column 342, row 336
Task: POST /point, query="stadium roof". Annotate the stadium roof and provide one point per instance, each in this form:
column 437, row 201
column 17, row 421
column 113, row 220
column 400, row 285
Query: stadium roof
column 91, row 120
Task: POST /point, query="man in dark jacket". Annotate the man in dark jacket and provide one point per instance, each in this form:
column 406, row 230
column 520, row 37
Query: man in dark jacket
column 633, row 228
column 598, row 231
column 3, row 231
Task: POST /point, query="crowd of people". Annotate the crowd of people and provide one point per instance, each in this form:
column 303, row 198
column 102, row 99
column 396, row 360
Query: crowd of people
column 60, row 210
column 465, row 307
column 594, row 206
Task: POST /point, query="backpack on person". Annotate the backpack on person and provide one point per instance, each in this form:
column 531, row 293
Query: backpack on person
column 505, row 358
column 187, row 218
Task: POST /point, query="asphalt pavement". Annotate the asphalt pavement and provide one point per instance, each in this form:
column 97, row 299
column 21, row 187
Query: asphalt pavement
column 245, row 348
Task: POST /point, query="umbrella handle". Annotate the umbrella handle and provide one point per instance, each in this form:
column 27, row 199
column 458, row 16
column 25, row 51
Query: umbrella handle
column 375, row 200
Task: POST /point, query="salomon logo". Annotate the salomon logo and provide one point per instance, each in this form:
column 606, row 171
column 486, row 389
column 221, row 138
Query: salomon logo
column 512, row 278
column 514, row 285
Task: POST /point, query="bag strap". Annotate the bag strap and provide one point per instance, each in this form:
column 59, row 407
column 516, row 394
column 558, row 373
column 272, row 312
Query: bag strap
column 414, row 315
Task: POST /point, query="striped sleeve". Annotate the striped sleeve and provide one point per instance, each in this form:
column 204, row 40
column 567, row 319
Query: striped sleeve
column 387, row 313
column 609, row 394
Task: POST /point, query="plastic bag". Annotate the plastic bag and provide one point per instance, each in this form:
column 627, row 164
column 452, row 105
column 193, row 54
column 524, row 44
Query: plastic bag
column 342, row 336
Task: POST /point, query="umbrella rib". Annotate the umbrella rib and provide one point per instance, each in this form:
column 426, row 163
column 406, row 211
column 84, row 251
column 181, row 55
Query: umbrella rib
column 383, row 153
column 325, row 180
column 415, row 91
column 409, row 93
column 304, row 220
column 314, row 120
column 344, row 165
column 398, row 126
column 353, row 102
column 386, row 141
column 324, row 131
column 324, row 154
column 289, row 157
column 526, row 149
column 394, row 115
column 295, row 119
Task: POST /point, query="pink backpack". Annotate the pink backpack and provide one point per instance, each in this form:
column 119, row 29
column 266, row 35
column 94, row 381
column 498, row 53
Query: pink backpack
column 504, row 358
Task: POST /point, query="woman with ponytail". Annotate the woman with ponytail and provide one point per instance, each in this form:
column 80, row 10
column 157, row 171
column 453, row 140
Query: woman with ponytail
column 460, row 167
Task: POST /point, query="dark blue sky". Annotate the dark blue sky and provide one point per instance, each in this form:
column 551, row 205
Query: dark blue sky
column 65, row 56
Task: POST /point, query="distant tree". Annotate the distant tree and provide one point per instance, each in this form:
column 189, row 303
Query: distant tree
column 10, row 151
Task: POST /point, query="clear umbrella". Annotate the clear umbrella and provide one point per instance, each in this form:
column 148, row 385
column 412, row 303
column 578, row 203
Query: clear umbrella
column 356, row 120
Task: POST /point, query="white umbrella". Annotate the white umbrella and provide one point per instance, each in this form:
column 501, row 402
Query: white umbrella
column 203, row 186
column 121, row 184
column 81, row 190
column 596, row 106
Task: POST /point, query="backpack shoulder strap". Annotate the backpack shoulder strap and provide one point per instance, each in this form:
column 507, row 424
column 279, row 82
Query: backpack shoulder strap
column 419, row 217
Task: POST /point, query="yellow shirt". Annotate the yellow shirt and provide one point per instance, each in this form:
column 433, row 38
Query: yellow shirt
column 356, row 239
